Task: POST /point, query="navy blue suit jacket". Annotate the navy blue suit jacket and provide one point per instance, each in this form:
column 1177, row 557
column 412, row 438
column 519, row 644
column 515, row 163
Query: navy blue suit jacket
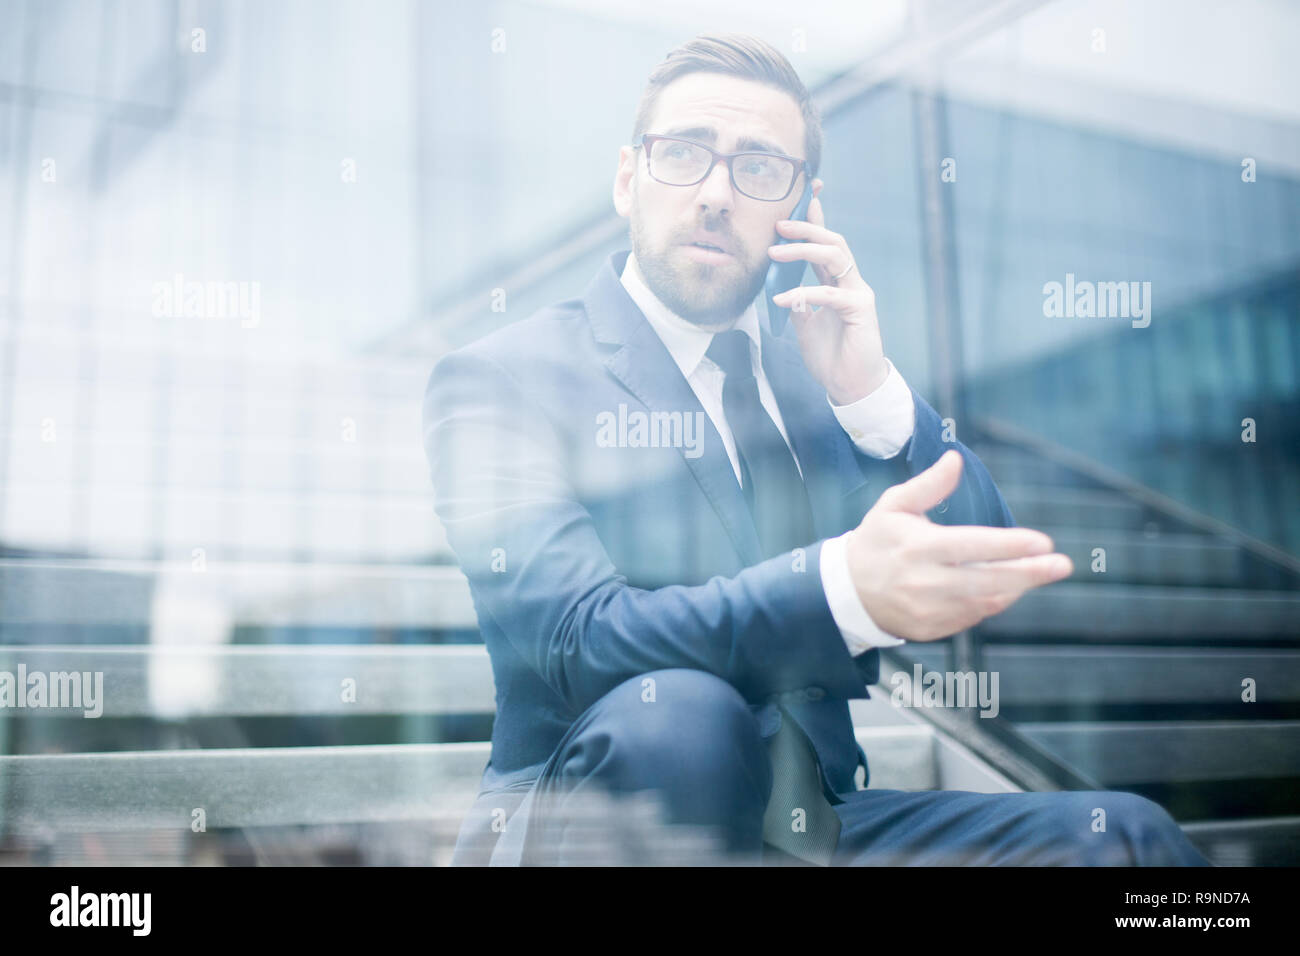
column 590, row 564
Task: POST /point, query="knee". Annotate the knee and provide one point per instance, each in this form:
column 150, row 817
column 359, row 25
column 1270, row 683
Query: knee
column 1152, row 835
column 685, row 725
column 694, row 718
column 1123, row 829
column 689, row 737
column 1137, row 815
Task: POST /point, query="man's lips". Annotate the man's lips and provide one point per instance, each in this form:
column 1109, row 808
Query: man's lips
column 706, row 250
column 709, row 241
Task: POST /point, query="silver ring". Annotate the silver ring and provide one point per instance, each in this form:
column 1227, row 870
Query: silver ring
column 846, row 271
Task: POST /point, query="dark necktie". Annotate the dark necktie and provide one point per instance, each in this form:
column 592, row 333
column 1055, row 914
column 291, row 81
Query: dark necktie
column 799, row 819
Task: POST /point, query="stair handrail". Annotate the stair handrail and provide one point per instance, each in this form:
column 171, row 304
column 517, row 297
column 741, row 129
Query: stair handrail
column 1011, row 434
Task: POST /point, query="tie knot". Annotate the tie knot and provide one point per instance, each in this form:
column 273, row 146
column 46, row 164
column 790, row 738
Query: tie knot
column 730, row 350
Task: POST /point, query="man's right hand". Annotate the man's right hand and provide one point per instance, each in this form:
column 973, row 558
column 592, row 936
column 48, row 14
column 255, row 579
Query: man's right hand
column 922, row 581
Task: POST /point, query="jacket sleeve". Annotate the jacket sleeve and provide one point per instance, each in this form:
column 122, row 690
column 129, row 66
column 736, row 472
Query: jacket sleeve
column 976, row 500
column 536, row 565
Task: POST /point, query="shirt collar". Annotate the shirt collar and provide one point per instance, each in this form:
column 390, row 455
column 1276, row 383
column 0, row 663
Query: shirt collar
column 686, row 342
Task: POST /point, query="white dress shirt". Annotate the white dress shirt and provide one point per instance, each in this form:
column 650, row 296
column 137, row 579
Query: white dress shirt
column 879, row 425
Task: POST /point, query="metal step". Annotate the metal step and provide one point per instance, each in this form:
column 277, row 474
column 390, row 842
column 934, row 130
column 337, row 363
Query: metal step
column 1012, row 468
column 1266, row 841
column 1121, row 754
column 1169, row 559
column 1149, row 615
column 1067, row 675
column 1035, row 507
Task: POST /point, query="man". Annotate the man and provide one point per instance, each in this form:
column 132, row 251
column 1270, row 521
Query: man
column 685, row 536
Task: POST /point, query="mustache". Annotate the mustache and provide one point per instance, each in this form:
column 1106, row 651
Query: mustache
column 727, row 236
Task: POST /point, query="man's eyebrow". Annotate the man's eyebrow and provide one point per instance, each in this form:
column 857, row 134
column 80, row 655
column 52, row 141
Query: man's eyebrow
column 707, row 134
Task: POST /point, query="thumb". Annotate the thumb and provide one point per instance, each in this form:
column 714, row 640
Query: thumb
column 921, row 493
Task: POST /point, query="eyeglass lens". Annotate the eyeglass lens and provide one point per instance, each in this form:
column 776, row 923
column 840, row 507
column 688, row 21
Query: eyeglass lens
column 759, row 175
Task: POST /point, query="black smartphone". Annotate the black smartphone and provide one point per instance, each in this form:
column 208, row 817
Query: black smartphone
column 783, row 276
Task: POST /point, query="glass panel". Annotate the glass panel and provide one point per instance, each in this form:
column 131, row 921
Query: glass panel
column 238, row 237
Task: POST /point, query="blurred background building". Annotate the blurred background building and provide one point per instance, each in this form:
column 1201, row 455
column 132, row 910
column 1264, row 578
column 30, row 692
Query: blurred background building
column 236, row 236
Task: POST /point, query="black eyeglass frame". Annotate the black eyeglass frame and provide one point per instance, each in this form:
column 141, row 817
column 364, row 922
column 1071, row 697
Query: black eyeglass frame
column 647, row 140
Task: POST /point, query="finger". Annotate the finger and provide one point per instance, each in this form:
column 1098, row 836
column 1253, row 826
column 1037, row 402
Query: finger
column 959, row 544
column 1016, row 575
column 832, row 258
column 816, row 215
column 834, row 297
column 923, row 492
column 809, row 230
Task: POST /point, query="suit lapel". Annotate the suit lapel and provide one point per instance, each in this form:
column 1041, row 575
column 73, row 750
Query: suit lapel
column 642, row 364
column 644, row 367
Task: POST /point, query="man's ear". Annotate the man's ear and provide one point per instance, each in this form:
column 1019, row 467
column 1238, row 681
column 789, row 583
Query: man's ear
column 623, row 180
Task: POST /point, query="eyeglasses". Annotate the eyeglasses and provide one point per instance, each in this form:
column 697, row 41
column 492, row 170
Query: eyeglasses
column 681, row 162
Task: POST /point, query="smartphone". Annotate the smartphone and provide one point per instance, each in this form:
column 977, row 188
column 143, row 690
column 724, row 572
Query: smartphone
column 783, row 276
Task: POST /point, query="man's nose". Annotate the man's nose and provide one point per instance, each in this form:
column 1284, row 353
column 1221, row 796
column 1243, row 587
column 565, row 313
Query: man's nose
column 715, row 193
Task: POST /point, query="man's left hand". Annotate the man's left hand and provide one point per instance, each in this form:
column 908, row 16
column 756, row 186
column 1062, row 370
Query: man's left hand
column 840, row 338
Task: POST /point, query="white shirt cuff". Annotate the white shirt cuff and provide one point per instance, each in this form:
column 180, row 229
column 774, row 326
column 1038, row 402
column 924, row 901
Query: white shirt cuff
column 881, row 423
column 857, row 628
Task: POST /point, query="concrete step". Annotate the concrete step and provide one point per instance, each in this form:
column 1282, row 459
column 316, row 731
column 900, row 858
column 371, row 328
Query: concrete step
column 134, row 461
column 153, row 790
column 178, row 604
column 129, row 520
column 259, row 680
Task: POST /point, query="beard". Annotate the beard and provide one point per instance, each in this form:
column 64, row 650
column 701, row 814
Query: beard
column 700, row 293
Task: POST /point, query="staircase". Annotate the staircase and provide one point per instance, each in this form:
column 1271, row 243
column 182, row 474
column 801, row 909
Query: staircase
column 245, row 754
column 1135, row 672
column 252, row 556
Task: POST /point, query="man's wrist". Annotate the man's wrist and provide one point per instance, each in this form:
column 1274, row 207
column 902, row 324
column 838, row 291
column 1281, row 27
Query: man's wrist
column 876, row 378
column 859, row 631
column 882, row 423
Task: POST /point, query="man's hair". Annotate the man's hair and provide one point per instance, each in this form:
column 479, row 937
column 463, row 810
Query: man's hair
column 734, row 54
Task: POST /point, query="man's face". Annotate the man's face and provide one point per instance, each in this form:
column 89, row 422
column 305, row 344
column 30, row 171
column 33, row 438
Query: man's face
column 729, row 114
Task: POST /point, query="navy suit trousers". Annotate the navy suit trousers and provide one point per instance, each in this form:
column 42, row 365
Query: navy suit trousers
column 685, row 745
